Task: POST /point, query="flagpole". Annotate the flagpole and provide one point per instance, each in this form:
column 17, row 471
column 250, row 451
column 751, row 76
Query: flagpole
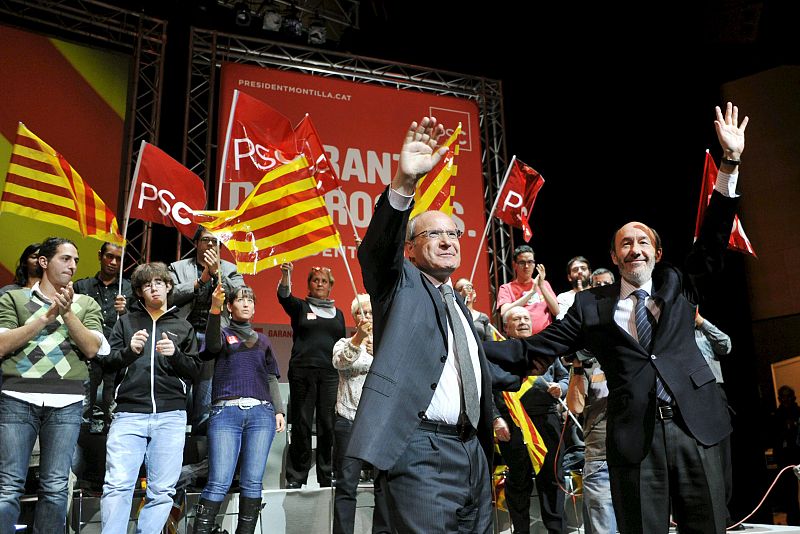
column 131, row 192
column 350, row 275
column 489, row 219
column 563, row 404
column 225, row 149
column 497, row 332
column 347, row 210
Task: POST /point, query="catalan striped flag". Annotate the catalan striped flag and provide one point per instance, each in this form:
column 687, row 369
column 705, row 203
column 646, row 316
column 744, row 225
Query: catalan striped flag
column 42, row 185
column 435, row 190
column 283, row 219
column 533, row 440
column 499, row 486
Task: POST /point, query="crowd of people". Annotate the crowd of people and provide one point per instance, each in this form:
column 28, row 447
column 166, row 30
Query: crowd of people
column 415, row 392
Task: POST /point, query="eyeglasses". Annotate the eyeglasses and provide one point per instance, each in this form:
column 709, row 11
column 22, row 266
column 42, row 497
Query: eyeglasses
column 154, row 283
column 209, row 240
column 323, row 269
column 453, row 235
column 525, row 263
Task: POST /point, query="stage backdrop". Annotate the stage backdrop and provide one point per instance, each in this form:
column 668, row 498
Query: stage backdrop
column 361, row 126
column 74, row 98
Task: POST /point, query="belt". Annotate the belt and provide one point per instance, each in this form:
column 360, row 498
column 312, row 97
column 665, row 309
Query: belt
column 245, row 403
column 665, row 411
column 463, row 431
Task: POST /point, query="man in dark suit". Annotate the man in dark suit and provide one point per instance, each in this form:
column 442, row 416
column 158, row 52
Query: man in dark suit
column 429, row 437
column 665, row 416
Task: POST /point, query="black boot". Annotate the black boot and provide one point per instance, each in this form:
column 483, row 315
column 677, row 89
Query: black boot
column 249, row 510
column 205, row 514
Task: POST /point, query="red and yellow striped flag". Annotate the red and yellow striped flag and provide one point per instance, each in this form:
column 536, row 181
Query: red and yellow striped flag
column 42, row 185
column 499, row 486
column 435, row 190
column 533, row 440
column 283, row 219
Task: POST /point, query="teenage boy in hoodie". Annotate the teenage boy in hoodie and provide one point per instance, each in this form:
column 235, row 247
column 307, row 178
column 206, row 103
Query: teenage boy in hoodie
column 155, row 355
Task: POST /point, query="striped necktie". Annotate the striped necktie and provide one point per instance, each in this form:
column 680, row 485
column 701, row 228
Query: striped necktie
column 469, row 386
column 644, row 331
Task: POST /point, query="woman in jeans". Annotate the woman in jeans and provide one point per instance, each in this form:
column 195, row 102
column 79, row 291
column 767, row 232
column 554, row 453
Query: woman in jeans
column 247, row 410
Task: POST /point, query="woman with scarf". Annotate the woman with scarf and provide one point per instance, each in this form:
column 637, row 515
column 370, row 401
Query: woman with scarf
column 316, row 326
column 246, row 409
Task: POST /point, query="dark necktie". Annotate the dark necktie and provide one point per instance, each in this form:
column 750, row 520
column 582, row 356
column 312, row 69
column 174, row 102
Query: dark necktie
column 469, row 387
column 644, row 331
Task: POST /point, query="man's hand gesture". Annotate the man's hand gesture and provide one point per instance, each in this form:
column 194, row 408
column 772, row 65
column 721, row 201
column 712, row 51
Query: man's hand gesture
column 729, row 132
column 420, row 153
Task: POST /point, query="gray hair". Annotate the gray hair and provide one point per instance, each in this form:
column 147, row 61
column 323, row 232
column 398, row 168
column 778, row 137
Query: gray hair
column 509, row 311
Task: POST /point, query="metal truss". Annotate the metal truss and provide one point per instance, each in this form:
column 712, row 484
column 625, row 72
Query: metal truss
column 105, row 26
column 209, row 49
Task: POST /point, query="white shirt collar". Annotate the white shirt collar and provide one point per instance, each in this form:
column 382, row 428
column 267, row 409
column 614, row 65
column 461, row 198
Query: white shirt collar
column 436, row 283
column 626, row 288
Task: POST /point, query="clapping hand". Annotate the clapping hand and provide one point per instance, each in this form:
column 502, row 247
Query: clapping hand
column 211, row 261
column 138, row 341
column 165, row 346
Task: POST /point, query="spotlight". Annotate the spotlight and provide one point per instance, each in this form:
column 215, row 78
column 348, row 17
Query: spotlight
column 242, row 12
column 292, row 24
column 272, row 20
column 317, row 32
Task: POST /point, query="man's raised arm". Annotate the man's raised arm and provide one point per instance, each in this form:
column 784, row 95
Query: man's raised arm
column 381, row 252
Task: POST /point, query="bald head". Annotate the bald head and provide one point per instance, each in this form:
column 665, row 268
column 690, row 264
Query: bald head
column 432, row 244
column 635, row 251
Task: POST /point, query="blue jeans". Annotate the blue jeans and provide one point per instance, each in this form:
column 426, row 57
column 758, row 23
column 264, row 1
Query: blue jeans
column 234, row 432
column 57, row 428
column 157, row 439
column 598, row 511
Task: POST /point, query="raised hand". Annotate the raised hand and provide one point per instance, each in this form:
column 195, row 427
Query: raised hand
column 729, row 132
column 165, row 346
column 217, row 298
column 420, row 153
column 138, row 341
column 363, row 331
column 287, row 267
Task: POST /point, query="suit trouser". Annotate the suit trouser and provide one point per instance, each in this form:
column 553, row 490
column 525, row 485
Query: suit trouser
column 439, row 485
column 678, row 471
column 311, row 389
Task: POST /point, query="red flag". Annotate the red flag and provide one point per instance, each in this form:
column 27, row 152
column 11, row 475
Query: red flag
column 738, row 240
column 259, row 139
column 309, row 143
column 515, row 201
column 164, row 191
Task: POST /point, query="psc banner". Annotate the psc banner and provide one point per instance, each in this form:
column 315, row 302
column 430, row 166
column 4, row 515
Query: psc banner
column 361, row 127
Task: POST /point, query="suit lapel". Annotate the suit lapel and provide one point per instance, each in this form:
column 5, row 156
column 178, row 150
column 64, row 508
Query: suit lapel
column 605, row 310
column 438, row 304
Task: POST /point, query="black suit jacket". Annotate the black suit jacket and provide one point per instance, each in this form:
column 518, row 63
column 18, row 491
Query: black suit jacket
column 410, row 339
column 630, row 370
